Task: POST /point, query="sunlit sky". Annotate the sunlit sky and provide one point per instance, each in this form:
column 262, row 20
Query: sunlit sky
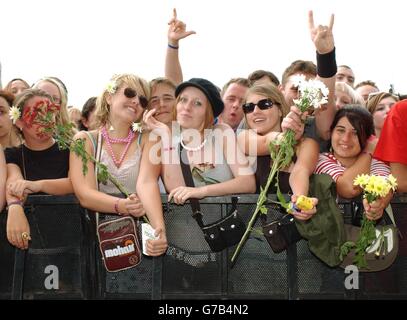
column 85, row 42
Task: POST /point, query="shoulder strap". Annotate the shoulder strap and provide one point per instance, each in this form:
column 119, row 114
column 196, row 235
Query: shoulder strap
column 97, row 154
column 186, row 172
column 139, row 139
column 92, row 139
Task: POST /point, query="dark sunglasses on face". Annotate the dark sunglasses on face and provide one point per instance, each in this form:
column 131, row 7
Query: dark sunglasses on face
column 131, row 93
column 263, row 104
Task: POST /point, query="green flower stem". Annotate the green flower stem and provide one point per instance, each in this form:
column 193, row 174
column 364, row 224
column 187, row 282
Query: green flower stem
column 260, row 201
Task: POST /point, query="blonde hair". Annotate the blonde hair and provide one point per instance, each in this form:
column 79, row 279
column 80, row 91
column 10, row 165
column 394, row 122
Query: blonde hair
column 102, row 110
column 62, row 116
column 23, row 97
column 347, row 89
column 271, row 92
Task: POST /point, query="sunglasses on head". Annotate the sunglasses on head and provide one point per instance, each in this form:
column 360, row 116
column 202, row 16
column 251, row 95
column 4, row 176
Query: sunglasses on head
column 131, row 93
column 263, row 104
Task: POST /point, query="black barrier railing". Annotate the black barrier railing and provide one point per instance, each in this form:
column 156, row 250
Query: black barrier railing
column 63, row 260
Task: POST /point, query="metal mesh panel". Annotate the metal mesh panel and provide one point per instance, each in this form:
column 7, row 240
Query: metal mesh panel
column 6, row 260
column 258, row 271
column 57, row 237
column 190, row 266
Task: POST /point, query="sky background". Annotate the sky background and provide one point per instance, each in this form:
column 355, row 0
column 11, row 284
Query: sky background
column 85, row 42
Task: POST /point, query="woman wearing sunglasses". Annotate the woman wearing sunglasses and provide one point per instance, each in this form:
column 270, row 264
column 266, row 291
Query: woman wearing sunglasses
column 379, row 105
column 264, row 111
column 126, row 154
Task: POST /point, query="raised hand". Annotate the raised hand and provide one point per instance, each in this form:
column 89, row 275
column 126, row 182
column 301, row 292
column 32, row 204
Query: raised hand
column 177, row 30
column 322, row 35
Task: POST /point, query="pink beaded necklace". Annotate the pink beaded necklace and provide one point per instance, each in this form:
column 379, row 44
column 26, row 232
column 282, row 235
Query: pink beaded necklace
column 110, row 141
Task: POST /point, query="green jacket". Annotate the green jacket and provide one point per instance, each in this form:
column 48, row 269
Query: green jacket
column 325, row 230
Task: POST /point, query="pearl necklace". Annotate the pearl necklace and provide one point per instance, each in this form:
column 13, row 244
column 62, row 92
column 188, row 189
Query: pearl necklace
column 109, row 142
column 192, row 149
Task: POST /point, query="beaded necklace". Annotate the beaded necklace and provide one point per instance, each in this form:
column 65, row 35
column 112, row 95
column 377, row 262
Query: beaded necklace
column 192, row 149
column 110, row 141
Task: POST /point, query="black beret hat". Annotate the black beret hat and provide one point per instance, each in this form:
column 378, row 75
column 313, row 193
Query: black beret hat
column 210, row 91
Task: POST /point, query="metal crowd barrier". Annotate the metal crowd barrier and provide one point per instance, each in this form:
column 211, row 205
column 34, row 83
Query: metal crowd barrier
column 63, row 261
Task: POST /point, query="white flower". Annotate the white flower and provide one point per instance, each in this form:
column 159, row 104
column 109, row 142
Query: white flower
column 298, row 79
column 14, row 114
column 111, row 87
column 137, row 127
column 313, row 93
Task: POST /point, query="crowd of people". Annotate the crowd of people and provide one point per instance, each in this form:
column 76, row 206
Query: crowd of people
column 223, row 135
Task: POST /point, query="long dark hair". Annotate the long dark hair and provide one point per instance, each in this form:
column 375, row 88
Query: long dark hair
column 359, row 118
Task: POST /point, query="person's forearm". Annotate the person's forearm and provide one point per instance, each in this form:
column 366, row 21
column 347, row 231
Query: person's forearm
column 242, row 184
column 326, row 69
column 149, row 195
column 345, row 186
column 299, row 181
column 173, row 70
column 57, row 187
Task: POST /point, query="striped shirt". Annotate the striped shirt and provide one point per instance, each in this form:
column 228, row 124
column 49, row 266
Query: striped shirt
column 328, row 164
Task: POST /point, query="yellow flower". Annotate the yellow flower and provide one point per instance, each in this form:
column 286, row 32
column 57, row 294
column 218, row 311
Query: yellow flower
column 304, row 203
column 361, row 180
column 392, row 181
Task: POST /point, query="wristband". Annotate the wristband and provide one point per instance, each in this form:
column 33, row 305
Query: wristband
column 16, row 202
column 326, row 64
column 116, row 206
column 173, row 47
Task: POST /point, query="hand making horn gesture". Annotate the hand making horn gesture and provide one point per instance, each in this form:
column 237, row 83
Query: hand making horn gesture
column 177, row 30
column 321, row 35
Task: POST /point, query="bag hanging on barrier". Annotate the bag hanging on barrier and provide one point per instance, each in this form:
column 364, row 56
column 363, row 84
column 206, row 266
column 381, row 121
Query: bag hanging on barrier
column 118, row 238
column 222, row 233
column 280, row 233
column 119, row 244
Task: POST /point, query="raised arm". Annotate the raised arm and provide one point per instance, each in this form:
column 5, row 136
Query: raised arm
column 176, row 32
column 323, row 39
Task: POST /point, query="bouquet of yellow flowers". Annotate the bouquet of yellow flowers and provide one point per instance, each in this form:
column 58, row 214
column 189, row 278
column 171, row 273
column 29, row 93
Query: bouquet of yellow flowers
column 374, row 187
column 313, row 94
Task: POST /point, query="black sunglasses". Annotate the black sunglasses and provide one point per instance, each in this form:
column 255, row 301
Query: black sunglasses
column 131, row 93
column 263, row 104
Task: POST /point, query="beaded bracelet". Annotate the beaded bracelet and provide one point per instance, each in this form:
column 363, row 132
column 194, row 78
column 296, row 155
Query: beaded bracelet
column 172, row 47
column 169, row 149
